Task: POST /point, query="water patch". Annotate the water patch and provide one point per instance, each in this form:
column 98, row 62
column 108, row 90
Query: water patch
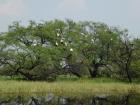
column 52, row 99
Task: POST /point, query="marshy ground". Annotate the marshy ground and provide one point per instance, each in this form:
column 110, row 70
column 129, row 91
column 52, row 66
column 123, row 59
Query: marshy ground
column 72, row 88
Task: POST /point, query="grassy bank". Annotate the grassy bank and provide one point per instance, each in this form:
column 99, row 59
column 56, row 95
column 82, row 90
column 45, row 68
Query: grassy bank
column 67, row 88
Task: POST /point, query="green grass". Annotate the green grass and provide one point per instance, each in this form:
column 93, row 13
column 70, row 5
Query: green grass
column 81, row 87
column 67, row 86
column 95, row 80
column 10, row 78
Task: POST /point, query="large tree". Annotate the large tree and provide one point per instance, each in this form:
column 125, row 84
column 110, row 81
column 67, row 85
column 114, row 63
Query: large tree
column 40, row 51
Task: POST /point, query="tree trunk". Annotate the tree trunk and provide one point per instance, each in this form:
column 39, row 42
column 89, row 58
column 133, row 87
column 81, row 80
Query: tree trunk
column 128, row 74
column 129, row 77
column 26, row 75
column 127, row 66
column 76, row 74
column 94, row 72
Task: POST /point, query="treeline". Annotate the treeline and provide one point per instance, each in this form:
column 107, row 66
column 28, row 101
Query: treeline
column 42, row 51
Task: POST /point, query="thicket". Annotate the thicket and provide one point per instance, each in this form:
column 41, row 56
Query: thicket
column 43, row 51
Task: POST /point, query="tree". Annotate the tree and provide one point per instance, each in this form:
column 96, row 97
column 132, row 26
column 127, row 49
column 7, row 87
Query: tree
column 40, row 51
column 123, row 55
column 135, row 65
column 97, row 45
column 26, row 53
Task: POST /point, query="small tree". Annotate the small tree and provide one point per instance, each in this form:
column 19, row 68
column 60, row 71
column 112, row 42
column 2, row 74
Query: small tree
column 123, row 55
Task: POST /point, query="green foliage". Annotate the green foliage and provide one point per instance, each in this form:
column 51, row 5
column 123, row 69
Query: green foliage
column 40, row 51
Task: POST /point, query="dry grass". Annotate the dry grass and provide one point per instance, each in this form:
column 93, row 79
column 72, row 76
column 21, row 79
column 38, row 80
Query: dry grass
column 66, row 88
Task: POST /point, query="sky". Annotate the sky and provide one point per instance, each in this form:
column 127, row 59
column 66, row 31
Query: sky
column 120, row 13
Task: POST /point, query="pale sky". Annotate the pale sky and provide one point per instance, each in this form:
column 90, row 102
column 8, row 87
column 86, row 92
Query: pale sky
column 123, row 13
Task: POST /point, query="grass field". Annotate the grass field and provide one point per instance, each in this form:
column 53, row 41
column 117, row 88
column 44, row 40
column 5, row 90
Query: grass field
column 81, row 87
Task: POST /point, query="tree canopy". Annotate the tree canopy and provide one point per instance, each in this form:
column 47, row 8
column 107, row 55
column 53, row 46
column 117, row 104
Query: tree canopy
column 40, row 51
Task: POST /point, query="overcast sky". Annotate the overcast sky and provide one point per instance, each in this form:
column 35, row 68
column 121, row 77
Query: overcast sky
column 123, row 13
